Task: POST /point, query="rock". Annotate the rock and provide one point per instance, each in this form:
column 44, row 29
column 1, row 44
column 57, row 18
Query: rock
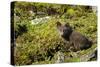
column 16, row 18
column 60, row 57
column 94, row 9
column 87, row 57
column 40, row 20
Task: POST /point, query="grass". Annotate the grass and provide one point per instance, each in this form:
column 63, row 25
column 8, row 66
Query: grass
column 42, row 41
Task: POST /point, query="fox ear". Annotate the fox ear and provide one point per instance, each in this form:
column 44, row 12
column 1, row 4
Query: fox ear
column 58, row 24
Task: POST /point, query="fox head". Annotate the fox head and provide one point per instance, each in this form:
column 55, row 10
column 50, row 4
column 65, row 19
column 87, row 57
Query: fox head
column 64, row 29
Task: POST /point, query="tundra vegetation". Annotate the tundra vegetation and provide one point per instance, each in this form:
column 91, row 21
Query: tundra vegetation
column 37, row 38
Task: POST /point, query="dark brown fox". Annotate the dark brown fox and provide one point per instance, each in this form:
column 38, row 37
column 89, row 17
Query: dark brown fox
column 77, row 40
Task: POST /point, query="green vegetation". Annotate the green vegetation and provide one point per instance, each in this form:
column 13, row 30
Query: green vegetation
column 40, row 43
